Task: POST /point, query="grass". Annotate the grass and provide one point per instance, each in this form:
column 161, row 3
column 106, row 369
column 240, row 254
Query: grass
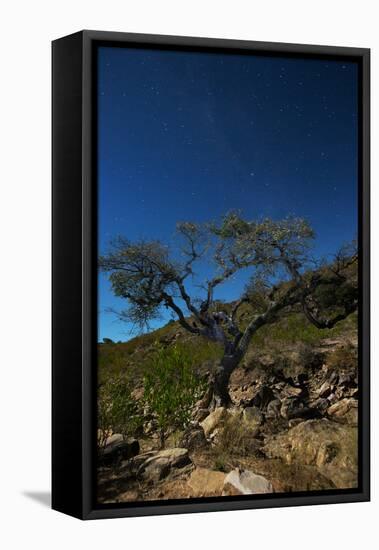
column 294, row 328
column 132, row 357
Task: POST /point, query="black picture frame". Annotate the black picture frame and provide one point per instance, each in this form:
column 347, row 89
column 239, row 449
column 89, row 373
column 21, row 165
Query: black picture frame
column 74, row 268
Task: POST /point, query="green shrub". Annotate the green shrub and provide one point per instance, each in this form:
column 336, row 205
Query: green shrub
column 171, row 388
column 220, row 463
column 118, row 411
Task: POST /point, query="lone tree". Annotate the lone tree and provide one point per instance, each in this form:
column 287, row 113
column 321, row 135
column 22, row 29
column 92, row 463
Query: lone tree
column 277, row 254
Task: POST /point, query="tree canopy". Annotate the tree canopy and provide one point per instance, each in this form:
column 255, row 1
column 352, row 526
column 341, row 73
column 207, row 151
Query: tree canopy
column 150, row 278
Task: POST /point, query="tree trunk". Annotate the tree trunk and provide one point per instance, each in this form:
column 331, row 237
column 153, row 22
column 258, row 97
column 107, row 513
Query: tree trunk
column 221, row 397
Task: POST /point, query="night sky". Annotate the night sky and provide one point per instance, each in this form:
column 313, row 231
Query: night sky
column 191, row 136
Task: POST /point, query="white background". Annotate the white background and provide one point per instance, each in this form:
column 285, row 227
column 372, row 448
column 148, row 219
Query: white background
column 27, row 27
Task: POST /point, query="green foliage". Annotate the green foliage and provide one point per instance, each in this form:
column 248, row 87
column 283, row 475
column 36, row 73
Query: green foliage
column 334, row 294
column 118, row 411
column 171, row 388
column 293, row 328
column 264, row 243
column 108, row 341
column 220, row 463
column 134, row 357
column 148, row 277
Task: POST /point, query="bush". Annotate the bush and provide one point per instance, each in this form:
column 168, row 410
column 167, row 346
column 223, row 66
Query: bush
column 171, row 388
column 118, row 411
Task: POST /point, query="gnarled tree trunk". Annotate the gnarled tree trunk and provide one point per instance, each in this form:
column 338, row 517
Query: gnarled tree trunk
column 220, row 392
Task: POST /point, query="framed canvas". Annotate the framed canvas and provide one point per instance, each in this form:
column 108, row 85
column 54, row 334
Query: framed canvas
column 210, row 275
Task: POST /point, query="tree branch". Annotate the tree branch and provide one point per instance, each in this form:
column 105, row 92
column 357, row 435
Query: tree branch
column 261, row 319
column 169, row 302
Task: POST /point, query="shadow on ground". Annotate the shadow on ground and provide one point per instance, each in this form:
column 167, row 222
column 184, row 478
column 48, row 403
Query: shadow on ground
column 42, row 497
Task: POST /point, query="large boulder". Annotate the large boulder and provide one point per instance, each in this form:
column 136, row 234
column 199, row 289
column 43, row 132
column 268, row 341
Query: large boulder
column 330, row 446
column 117, row 450
column 245, row 482
column 159, row 465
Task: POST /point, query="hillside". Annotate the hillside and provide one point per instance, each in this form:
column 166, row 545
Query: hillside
column 292, row 425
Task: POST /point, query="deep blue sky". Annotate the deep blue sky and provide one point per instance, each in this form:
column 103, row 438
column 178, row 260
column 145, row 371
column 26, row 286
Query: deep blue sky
column 190, row 136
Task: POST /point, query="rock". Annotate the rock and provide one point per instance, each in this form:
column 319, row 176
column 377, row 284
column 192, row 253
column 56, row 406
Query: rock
column 332, row 398
column 331, row 446
column 200, row 414
column 333, row 378
column 325, row 390
column 262, row 397
column 214, row 420
column 273, row 408
column 137, row 393
column 193, row 438
column 294, row 422
column 204, row 482
column 246, row 482
column 293, row 408
column 321, row 404
column 118, row 450
column 161, row 464
column 327, row 452
column 291, row 391
column 346, row 380
column 253, row 417
column 113, row 439
column 288, row 407
column 151, row 427
column 345, row 410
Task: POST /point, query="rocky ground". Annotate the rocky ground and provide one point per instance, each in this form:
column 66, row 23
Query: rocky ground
column 292, row 427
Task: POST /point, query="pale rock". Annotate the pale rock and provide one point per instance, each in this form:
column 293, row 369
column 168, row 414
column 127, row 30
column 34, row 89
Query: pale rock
column 213, row 420
column 246, row 482
column 325, row 390
column 345, row 410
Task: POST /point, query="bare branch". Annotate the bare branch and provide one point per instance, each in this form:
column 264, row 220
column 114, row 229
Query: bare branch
column 169, row 302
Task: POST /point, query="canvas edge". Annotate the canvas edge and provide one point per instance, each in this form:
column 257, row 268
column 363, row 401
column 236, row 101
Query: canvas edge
column 87, row 509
